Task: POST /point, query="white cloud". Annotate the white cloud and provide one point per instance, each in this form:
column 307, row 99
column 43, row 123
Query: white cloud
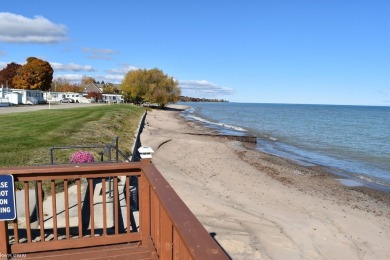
column 123, row 70
column 4, row 64
column 203, row 88
column 116, row 75
column 71, row 67
column 20, row 29
column 99, row 54
column 75, row 78
column 112, row 78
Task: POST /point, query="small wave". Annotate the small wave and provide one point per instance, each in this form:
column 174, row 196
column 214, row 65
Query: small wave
column 232, row 127
column 268, row 137
column 190, row 110
column 373, row 179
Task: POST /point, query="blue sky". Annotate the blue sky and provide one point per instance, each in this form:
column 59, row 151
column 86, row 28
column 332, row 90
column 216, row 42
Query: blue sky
column 307, row 52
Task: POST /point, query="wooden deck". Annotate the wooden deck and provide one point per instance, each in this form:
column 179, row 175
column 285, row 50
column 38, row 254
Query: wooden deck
column 116, row 251
column 86, row 221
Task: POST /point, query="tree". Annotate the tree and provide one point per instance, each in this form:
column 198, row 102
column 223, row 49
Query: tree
column 35, row 74
column 87, row 80
column 135, row 85
column 151, row 86
column 64, row 85
column 8, row 73
column 109, row 89
column 95, row 95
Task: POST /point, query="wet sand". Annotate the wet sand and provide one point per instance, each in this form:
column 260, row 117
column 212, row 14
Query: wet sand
column 265, row 207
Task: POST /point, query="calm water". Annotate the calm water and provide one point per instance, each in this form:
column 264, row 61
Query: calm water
column 351, row 140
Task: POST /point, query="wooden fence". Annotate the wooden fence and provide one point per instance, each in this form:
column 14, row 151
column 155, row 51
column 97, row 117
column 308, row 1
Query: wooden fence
column 83, row 215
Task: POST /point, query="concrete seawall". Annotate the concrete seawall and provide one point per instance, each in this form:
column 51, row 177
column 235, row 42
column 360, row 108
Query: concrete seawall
column 137, row 139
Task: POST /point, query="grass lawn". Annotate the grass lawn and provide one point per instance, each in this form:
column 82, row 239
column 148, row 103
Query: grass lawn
column 26, row 138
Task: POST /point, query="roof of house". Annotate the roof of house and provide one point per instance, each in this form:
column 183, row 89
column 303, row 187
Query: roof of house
column 97, row 87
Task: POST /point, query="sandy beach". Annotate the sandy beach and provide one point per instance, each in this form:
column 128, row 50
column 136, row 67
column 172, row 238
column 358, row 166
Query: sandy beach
column 263, row 207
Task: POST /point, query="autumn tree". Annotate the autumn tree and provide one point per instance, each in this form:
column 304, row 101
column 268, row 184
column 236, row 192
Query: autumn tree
column 109, row 89
column 95, row 95
column 151, row 86
column 135, row 85
column 8, row 73
column 87, row 80
column 35, row 74
column 64, row 85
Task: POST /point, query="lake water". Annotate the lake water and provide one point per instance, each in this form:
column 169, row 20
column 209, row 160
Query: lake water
column 350, row 140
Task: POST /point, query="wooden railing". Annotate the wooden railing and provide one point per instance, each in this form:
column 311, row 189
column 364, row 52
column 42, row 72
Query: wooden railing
column 84, row 215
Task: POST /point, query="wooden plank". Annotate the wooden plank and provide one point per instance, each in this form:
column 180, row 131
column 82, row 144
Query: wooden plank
column 27, row 210
column 116, row 205
column 166, row 237
column 66, row 195
column 48, row 172
column 104, row 191
column 15, row 223
column 91, row 206
column 16, row 230
column 40, row 207
column 180, row 251
column 65, row 168
column 128, row 210
column 153, row 223
column 119, row 251
column 144, row 197
column 156, row 222
column 54, row 207
column 4, row 238
column 74, row 243
column 72, row 175
column 79, row 209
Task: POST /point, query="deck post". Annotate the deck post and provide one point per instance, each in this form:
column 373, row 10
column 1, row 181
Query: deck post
column 4, row 238
column 144, row 196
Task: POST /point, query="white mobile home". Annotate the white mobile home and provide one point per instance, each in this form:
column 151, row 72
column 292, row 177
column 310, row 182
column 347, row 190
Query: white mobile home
column 30, row 97
column 58, row 96
column 112, row 98
column 54, row 96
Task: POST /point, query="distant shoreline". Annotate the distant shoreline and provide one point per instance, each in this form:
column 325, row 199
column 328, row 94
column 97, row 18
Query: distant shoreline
column 193, row 99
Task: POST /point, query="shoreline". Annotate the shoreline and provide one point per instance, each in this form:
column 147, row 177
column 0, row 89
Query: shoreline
column 349, row 159
column 262, row 206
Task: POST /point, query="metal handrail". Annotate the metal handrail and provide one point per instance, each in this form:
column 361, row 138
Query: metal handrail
column 106, row 149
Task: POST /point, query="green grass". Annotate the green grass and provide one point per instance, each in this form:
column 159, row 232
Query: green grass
column 26, row 138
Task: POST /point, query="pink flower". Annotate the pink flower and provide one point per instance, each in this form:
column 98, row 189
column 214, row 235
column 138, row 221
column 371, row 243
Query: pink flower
column 81, row 157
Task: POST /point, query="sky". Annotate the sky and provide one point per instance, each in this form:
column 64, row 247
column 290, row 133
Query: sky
column 280, row 51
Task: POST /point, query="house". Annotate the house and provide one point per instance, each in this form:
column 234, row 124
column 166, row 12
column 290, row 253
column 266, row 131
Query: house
column 30, row 96
column 113, row 98
column 94, row 87
column 108, row 98
column 4, row 101
column 59, row 96
column 54, row 96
